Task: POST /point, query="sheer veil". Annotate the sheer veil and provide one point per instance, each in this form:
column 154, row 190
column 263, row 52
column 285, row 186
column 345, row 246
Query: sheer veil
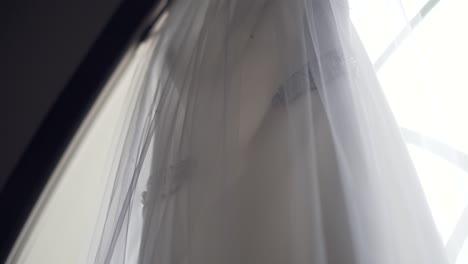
column 260, row 134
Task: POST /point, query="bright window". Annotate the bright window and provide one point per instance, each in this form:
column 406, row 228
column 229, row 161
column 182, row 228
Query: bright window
column 420, row 49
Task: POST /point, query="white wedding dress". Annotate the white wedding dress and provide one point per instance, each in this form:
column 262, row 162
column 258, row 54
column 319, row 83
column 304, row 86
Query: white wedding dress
column 260, row 135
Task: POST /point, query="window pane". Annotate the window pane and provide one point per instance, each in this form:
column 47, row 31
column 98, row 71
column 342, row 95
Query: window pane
column 424, row 77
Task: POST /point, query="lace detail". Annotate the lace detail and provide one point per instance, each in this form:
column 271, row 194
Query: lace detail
column 294, row 87
column 173, row 178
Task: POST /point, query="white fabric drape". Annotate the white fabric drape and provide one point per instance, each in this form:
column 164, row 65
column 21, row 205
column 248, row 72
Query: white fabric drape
column 260, row 134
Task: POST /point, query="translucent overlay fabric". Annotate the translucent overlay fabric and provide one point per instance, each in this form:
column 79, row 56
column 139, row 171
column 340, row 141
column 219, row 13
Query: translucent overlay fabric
column 260, row 134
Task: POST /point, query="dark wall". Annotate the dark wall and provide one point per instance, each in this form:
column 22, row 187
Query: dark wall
column 42, row 43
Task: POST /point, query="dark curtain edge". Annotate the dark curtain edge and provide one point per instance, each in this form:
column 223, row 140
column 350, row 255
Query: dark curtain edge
column 30, row 175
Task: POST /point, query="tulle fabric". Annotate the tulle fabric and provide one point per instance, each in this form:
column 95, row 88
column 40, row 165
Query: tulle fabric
column 260, row 134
